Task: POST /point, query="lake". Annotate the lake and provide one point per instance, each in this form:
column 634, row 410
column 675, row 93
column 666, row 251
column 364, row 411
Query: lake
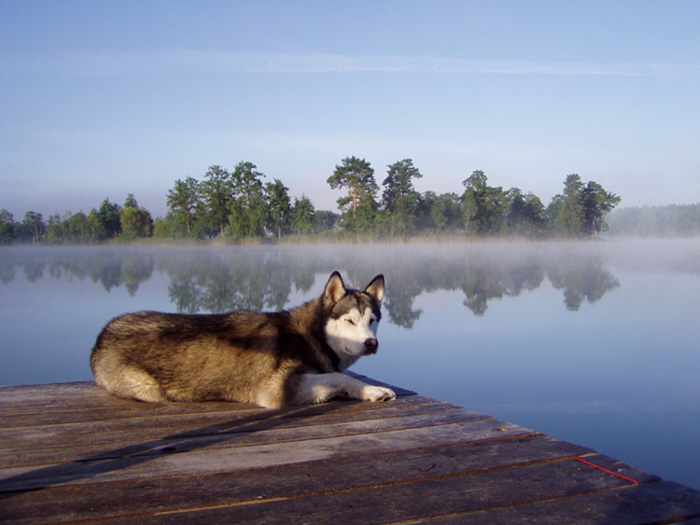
column 597, row 343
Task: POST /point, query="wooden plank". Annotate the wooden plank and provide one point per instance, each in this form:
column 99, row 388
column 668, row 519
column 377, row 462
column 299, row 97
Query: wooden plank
column 23, row 394
column 91, row 456
column 137, row 413
column 97, row 500
column 148, row 416
column 85, row 401
column 663, row 502
column 110, row 410
column 144, row 438
column 411, row 500
column 199, row 460
column 338, row 409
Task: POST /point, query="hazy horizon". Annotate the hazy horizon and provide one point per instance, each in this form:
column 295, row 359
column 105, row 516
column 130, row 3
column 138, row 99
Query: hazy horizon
column 103, row 99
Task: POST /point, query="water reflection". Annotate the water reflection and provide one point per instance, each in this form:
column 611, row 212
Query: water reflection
column 496, row 337
column 223, row 279
column 110, row 268
column 581, row 280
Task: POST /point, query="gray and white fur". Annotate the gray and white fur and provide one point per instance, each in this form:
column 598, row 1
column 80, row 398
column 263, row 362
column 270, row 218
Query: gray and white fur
column 273, row 359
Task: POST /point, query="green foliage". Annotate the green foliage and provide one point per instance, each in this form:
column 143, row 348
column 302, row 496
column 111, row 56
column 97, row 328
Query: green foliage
column 441, row 213
column 357, row 177
column 279, row 207
column 216, row 191
column 325, row 221
column 399, row 184
column 400, row 199
column 597, row 204
column 238, row 205
column 78, row 230
column 135, row 222
column 8, row 231
column 109, row 220
column 569, row 219
column 485, row 207
column 581, row 210
column 303, row 216
column 131, row 201
column 164, row 228
column 248, row 207
column 32, row 228
column 185, row 204
column 95, row 227
column 525, row 215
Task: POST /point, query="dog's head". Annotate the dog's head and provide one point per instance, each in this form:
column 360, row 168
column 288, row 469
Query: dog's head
column 352, row 318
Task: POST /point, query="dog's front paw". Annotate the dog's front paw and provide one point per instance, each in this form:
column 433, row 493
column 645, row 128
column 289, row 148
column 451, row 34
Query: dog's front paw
column 377, row 393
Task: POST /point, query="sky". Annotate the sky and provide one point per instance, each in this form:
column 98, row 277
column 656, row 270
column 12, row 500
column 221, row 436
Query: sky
column 99, row 99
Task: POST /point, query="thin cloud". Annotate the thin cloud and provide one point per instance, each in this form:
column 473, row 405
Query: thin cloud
column 179, row 61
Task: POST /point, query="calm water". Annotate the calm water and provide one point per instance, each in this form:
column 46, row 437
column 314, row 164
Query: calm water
column 594, row 343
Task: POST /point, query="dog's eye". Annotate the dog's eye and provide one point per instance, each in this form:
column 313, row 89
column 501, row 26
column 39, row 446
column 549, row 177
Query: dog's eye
column 350, row 321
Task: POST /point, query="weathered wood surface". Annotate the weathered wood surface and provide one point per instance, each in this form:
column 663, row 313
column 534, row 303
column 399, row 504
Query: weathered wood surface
column 70, row 452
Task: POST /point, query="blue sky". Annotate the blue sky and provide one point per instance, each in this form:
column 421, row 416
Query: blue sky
column 105, row 98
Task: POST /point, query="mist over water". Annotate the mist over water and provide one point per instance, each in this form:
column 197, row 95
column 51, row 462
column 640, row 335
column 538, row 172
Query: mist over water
column 595, row 343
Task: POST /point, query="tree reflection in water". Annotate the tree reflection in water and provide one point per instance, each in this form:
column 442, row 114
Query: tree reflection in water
column 262, row 278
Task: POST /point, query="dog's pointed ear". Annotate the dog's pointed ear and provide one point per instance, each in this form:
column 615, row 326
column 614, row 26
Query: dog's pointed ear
column 375, row 289
column 335, row 289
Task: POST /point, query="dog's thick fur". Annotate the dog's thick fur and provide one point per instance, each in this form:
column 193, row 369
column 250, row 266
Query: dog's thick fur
column 272, row 359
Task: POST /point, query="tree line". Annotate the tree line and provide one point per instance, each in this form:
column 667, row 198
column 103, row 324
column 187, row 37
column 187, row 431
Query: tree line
column 237, row 204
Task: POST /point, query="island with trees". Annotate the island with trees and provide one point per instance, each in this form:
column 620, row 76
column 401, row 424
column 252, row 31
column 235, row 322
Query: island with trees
column 238, row 205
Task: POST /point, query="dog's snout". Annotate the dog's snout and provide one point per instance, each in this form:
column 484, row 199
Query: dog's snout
column 371, row 345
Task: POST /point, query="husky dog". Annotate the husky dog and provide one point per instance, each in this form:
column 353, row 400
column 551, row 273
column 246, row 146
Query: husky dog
column 291, row 357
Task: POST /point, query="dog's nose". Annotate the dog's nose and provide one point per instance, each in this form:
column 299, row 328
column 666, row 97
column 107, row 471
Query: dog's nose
column 371, row 346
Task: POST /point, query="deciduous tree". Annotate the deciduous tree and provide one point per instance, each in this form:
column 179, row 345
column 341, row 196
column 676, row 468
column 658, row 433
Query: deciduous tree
column 109, row 219
column 7, row 227
column 136, row 222
column 400, row 198
column 570, row 217
column 185, row 203
column 525, row 213
column 484, row 205
column 34, row 227
column 279, row 209
column 78, row 231
column 217, row 194
column 441, row 212
column 248, row 208
column 597, row 204
column 303, row 215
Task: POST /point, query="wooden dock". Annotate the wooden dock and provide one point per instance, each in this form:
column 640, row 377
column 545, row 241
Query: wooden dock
column 71, row 453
